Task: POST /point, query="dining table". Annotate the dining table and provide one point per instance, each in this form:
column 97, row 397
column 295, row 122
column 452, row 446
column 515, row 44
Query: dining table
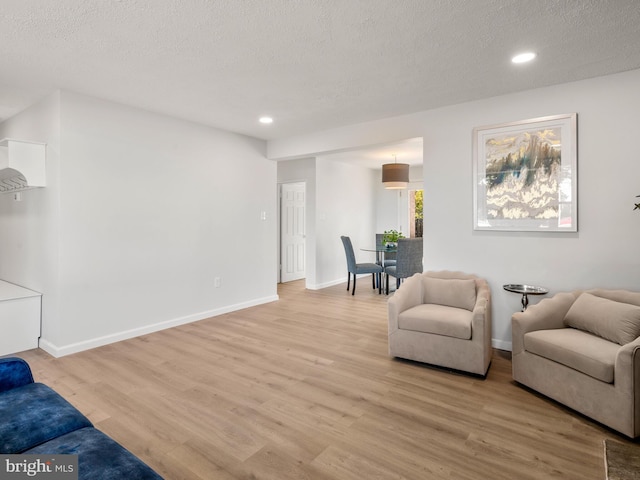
column 380, row 251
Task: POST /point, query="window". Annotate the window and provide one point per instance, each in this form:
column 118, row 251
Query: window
column 415, row 213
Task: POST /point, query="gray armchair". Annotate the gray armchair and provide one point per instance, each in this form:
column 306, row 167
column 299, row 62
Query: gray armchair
column 442, row 318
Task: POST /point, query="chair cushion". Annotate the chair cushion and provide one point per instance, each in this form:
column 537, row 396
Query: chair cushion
column 451, row 292
column 368, row 268
column 614, row 321
column 99, row 457
column 34, row 414
column 582, row 351
column 437, row 319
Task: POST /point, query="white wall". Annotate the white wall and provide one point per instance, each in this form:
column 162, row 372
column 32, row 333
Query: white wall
column 602, row 253
column 345, row 206
column 388, row 206
column 152, row 209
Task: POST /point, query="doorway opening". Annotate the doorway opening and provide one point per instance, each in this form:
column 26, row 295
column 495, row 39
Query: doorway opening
column 292, row 231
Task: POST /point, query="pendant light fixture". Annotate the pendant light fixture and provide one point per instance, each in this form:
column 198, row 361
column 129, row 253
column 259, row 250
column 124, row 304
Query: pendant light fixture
column 395, row 175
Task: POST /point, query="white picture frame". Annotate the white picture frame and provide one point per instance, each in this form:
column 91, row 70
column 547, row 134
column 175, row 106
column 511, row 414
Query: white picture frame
column 525, row 175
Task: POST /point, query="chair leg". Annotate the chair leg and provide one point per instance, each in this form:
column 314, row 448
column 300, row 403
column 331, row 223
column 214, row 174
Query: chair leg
column 379, row 283
column 354, row 285
column 397, row 283
column 386, row 288
column 348, row 280
column 373, row 280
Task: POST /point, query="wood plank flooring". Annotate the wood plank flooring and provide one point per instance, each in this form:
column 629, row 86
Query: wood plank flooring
column 303, row 388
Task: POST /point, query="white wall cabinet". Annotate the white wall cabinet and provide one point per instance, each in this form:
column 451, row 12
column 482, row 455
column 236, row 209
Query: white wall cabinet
column 19, row 318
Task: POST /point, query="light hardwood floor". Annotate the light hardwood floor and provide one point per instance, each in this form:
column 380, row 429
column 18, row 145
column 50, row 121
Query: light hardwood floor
column 303, row 388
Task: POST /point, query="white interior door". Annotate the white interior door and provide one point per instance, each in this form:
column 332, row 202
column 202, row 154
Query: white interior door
column 292, row 232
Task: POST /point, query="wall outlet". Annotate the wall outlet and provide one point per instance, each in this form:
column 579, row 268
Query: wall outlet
column 216, row 282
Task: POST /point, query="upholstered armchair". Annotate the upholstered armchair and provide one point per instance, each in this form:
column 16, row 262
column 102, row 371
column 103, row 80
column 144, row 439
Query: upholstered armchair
column 442, row 318
column 582, row 350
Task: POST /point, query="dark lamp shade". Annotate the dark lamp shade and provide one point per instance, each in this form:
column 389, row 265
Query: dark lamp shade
column 395, row 175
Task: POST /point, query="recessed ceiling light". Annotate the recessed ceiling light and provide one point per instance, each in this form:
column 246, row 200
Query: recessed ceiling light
column 523, row 57
column 266, row 120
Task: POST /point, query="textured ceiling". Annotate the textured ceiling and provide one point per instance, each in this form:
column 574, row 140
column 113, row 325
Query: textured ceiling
column 311, row 64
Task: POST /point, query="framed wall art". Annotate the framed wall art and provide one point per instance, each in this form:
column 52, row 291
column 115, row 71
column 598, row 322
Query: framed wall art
column 525, row 175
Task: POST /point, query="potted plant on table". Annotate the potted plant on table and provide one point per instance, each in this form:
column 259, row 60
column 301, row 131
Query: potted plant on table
column 390, row 238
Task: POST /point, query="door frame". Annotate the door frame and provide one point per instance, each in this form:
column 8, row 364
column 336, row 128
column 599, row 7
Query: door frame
column 280, row 186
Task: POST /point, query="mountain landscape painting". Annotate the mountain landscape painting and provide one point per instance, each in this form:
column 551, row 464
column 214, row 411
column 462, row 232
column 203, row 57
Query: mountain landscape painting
column 525, row 175
column 522, row 174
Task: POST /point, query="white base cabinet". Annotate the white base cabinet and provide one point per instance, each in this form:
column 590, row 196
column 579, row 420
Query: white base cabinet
column 20, row 312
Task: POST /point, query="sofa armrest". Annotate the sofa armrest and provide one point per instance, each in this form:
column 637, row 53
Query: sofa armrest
column 14, row 372
column 481, row 323
column 546, row 315
column 627, row 379
column 627, row 366
column 406, row 297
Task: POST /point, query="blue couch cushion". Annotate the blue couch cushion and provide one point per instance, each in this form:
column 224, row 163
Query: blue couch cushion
column 14, row 372
column 34, row 414
column 99, row 457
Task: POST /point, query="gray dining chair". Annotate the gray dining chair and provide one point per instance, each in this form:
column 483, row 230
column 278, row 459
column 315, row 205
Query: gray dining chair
column 354, row 268
column 387, row 258
column 408, row 261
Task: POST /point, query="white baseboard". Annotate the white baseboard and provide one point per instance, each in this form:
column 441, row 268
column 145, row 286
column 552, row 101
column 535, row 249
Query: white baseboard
column 319, row 286
column 332, row 282
column 501, row 345
column 60, row 351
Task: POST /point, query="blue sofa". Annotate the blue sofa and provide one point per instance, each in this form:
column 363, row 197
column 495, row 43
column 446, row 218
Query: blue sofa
column 36, row 420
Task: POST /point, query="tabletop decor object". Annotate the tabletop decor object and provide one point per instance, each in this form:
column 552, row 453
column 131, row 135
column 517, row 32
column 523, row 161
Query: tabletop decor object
column 391, row 237
column 525, row 175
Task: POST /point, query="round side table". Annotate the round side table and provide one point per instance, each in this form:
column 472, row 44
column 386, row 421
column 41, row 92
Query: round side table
column 525, row 290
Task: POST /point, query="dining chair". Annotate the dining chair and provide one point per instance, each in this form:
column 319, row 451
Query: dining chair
column 408, row 261
column 360, row 268
column 387, row 258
